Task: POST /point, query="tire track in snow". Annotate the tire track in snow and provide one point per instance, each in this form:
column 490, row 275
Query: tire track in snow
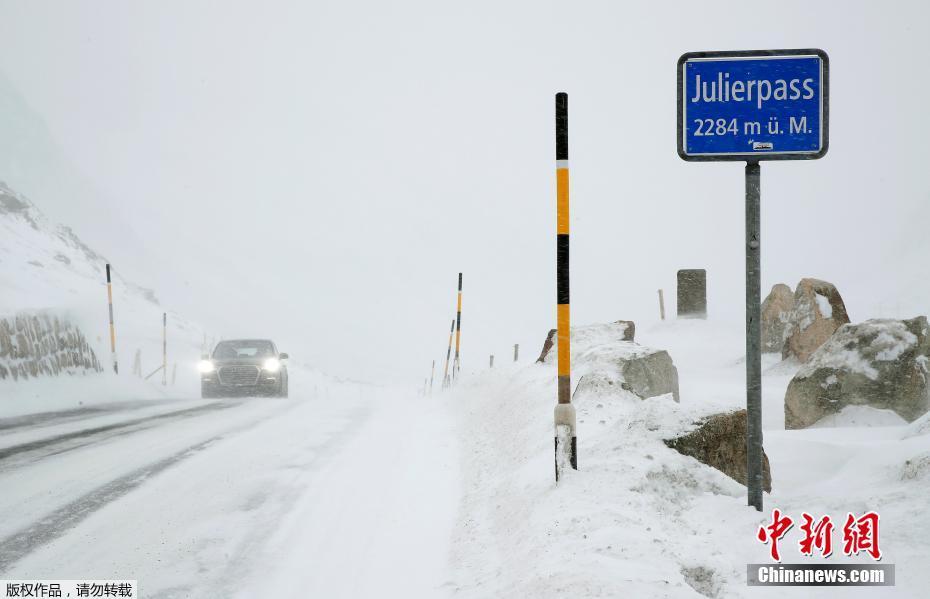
column 57, row 523
column 98, row 434
column 27, row 421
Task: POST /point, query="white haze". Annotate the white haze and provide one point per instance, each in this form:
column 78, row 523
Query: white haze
column 320, row 171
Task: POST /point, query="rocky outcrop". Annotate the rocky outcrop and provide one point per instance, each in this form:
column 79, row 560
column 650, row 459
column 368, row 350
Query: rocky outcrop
column 719, row 441
column 878, row 363
column 33, row 345
column 777, row 315
column 818, row 312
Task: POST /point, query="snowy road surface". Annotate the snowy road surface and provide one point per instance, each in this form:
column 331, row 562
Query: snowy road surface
column 248, row 497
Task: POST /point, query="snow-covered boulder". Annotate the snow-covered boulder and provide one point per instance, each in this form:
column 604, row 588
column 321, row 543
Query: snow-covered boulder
column 777, row 311
column 719, row 441
column 818, row 312
column 605, row 354
column 878, row 363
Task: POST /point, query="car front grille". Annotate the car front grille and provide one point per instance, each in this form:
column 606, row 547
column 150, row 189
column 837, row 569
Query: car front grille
column 239, row 375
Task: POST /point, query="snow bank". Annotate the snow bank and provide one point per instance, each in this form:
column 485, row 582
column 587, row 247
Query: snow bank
column 641, row 520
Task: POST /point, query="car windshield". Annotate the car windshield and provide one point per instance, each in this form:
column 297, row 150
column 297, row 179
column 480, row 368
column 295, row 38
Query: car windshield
column 226, row 350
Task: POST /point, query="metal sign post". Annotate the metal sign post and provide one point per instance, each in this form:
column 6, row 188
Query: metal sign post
column 752, row 106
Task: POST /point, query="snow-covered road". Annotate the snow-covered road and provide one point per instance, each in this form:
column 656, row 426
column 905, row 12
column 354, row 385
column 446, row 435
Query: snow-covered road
column 255, row 497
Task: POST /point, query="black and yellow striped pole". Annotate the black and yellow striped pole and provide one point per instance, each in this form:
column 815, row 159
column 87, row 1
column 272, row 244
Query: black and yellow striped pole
column 164, row 348
column 445, row 369
column 566, row 440
column 458, row 330
column 112, row 328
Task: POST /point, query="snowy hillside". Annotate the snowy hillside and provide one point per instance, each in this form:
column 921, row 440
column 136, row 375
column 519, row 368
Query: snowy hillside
column 46, row 268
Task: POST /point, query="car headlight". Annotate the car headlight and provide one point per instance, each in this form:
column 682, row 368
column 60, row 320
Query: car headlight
column 272, row 365
column 205, row 366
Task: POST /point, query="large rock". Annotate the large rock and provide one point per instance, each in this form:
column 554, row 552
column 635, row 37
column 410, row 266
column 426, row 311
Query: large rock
column 818, row 312
column 720, row 442
column 878, row 363
column 608, row 355
column 650, row 374
column 777, row 318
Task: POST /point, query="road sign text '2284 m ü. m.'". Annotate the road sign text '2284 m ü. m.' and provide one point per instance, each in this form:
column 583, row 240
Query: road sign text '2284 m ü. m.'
column 755, row 105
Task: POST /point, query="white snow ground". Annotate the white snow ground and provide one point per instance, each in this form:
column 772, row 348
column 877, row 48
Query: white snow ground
column 333, row 496
column 641, row 520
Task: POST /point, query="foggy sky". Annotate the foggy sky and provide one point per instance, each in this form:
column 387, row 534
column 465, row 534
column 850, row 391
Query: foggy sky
column 319, row 172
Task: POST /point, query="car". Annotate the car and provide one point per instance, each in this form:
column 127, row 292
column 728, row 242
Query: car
column 244, row 368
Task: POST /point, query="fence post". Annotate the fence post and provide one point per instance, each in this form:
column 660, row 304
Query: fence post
column 516, row 352
column 661, row 305
column 174, row 374
column 112, row 328
column 566, row 441
column 492, row 361
column 137, row 363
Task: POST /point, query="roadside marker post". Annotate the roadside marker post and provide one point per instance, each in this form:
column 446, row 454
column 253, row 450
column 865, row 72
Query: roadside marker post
column 751, row 106
column 661, row 305
column 458, row 330
column 432, row 373
column 566, row 440
column 164, row 348
column 112, row 328
column 445, row 368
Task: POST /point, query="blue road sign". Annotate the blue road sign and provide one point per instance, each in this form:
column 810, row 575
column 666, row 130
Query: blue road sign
column 753, row 105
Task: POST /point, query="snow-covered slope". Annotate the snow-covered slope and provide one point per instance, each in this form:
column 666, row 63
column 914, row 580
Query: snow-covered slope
column 638, row 519
column 45, row 267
